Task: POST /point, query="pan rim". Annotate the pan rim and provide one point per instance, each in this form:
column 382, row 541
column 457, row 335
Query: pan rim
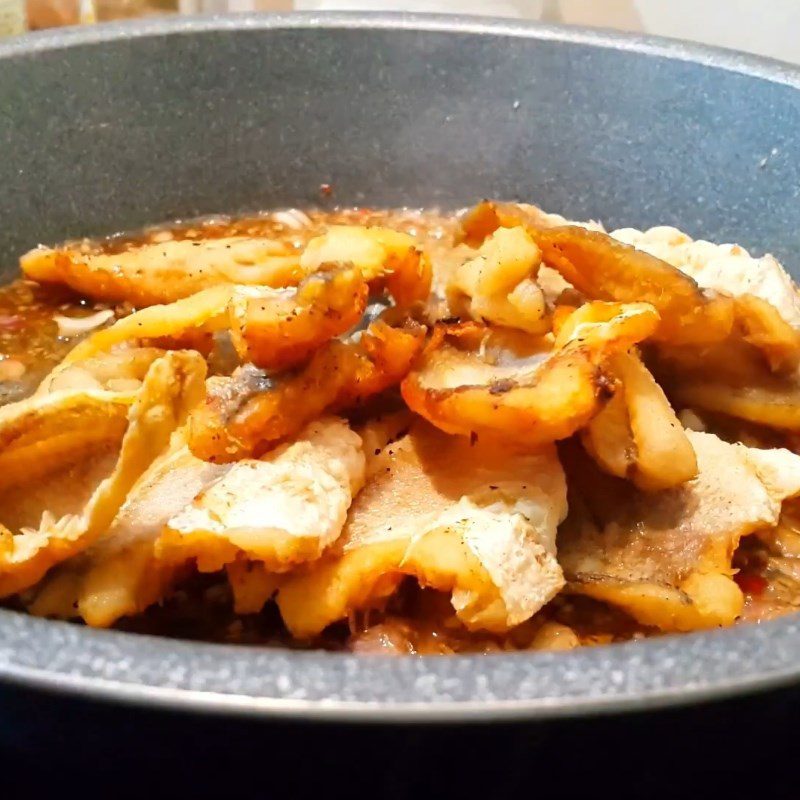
column 664, row 675
column 637, row 676
column 770, row 69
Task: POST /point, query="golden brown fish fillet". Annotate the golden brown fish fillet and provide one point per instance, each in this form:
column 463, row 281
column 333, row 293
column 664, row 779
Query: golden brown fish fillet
column 205, row 311
column 273, row 328
column 726, row 268
column 767, row 303
column 281, row 510
column 475, row 380
column 380, row 254
column 731, row 377
column 161, row 272
column 476, row 521
column 665, row 557
column 119, row 575
column 498, row 285
column 603, row 268
column 637, row 435
column 250, row 411
column 172, row 385
column 740, row 301
column 79, row 408
column 280, row 328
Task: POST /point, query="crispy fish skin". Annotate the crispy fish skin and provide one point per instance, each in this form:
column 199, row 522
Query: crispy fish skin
column 637, row 434
column 603, row 268
column 73, row 411
column 204, row 311
column 498, row 285
column 280, row 510
column 487, row 216
column 163, row 272
column 471, row 380
column 249, row 412
column 277, row 329
column 119, row 575
column 380, row 254
column 171, row 387
column 766, row 300
column 727, row 268
column 273, row 328
column 484, row 532
column 665, row 557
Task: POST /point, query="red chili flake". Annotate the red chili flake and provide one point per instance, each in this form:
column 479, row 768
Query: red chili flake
column 750, row 583
column 325, row 189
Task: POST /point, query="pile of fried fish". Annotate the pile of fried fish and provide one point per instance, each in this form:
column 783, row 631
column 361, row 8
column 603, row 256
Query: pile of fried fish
column 321, row 424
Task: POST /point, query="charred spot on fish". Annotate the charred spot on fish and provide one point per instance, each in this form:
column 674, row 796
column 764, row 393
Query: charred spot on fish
column 606, row 387
column 501, row 386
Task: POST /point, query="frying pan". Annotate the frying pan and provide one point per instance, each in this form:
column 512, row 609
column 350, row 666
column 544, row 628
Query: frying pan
column 117, row 126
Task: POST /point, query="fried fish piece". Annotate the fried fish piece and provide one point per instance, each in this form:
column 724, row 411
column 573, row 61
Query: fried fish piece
column 767, row 303
column 498, row 285
column 249, row 412
column 204, row 311
column 162, row 272
column 380, row 253
column 476, row 380
column 252, row 584
column 136, row 561
column 51, row 522
column 484, row 532
column 274, row 328
column 603, row 268
column 637, row 434
column 84, row 406
column 280, row 510
column 487, row 216
column 119, row 574
column 279, row 328
column 665, row 557
column 731, row 378
column 727, row 268
column 752, row 374
column 767, row 400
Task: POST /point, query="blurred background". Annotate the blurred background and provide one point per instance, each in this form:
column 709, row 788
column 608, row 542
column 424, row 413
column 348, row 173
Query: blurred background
column 766, row 27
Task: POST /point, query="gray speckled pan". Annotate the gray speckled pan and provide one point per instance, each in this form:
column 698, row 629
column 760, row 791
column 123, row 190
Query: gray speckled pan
column 113, row 127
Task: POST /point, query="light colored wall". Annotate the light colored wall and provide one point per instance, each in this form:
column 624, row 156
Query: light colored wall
column 767, row 27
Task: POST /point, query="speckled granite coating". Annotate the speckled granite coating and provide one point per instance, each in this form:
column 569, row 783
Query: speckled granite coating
column 112, row 127
column 251, row 680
